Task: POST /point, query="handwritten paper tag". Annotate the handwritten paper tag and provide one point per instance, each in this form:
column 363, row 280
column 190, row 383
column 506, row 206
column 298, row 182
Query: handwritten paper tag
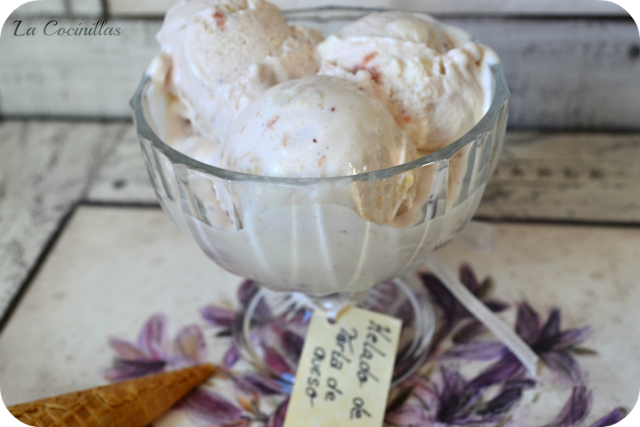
column 345, row 370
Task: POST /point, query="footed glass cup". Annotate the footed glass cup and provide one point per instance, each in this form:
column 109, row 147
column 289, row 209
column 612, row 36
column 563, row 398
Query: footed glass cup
column 328, row 242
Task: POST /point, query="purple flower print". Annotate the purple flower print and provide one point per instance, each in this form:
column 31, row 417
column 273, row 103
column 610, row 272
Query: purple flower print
column 153, row 352
column 189, row 347
column 442, row 398
column 611, row 418
column 222, row 319
column 208, row 408
column 575, row 410
column 453, row 312
column 555, row 348
column 245, row 292
column 292, row 344
column 479, row 351
column 455, row 399
column 219, row 317
column 509, row 395
column 254, row 384
column 280, row 344
column 213, row 408
column 448, row 399
column 231, row 357
column 276, row 361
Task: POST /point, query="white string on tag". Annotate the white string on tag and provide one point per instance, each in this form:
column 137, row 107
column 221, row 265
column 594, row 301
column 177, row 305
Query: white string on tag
column 504, row 333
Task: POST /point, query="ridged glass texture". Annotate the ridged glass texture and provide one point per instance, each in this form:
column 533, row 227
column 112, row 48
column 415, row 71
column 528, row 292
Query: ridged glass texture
column 326, row 235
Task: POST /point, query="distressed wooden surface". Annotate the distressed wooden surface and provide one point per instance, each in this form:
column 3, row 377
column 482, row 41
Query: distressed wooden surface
column 157, row 8
column 123, row 177
column 43, row 7
column 94, row 7
column 541, row 176
column 45, row 169
column 56, row 8
column 73, row 76
column 587, row 177
column 487, row 7
column 564, row 74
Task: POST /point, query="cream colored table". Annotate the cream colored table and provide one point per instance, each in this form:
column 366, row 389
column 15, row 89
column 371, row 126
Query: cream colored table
column 113, row 268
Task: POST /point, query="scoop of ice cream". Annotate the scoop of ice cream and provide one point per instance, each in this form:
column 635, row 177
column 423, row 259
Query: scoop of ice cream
column 420, row 29
column 318, row 126
column 435, row 80
column 225, row 53
column 323, row 126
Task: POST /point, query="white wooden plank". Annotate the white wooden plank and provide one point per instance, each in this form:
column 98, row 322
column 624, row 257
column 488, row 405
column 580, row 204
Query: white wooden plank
column 74, row 76
column 86, row 7
column 123, row 177
column 139, row 7
column 486, row 7
column 567, row 75
column 564, row 74
column 110, row 271
column 40, row 8
column 45, row 168
column 58, row 8
column 541, row 176
column 588, row 177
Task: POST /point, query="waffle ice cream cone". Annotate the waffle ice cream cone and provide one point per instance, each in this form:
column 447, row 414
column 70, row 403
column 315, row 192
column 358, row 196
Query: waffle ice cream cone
column 133, row 403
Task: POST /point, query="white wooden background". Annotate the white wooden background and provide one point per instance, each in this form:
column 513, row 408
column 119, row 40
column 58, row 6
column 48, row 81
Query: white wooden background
column 564, row 74
column 54, row 8
column 550, row 7
column 485, row 7
column 583, row 177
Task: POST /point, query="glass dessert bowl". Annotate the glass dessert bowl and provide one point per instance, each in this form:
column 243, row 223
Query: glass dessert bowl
column 325, row 242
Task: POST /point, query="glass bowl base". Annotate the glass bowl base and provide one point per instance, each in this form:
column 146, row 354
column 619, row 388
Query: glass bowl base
column 270, row 329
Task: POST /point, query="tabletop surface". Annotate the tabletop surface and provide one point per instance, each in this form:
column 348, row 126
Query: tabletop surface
column 113, row 268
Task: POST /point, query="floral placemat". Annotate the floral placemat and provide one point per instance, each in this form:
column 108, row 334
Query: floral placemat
column 469, row 379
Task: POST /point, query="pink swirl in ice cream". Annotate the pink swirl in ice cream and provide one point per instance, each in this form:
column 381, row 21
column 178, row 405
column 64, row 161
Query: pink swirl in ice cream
column 314, row 127
column 323, row 126
column 219, row 55
column 434, row 78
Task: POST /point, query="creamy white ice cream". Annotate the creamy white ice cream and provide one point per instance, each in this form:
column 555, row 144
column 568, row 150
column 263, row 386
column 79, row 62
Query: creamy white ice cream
column 219, row 55
column 315, row 127
column 318, row 127
column 434, row 78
